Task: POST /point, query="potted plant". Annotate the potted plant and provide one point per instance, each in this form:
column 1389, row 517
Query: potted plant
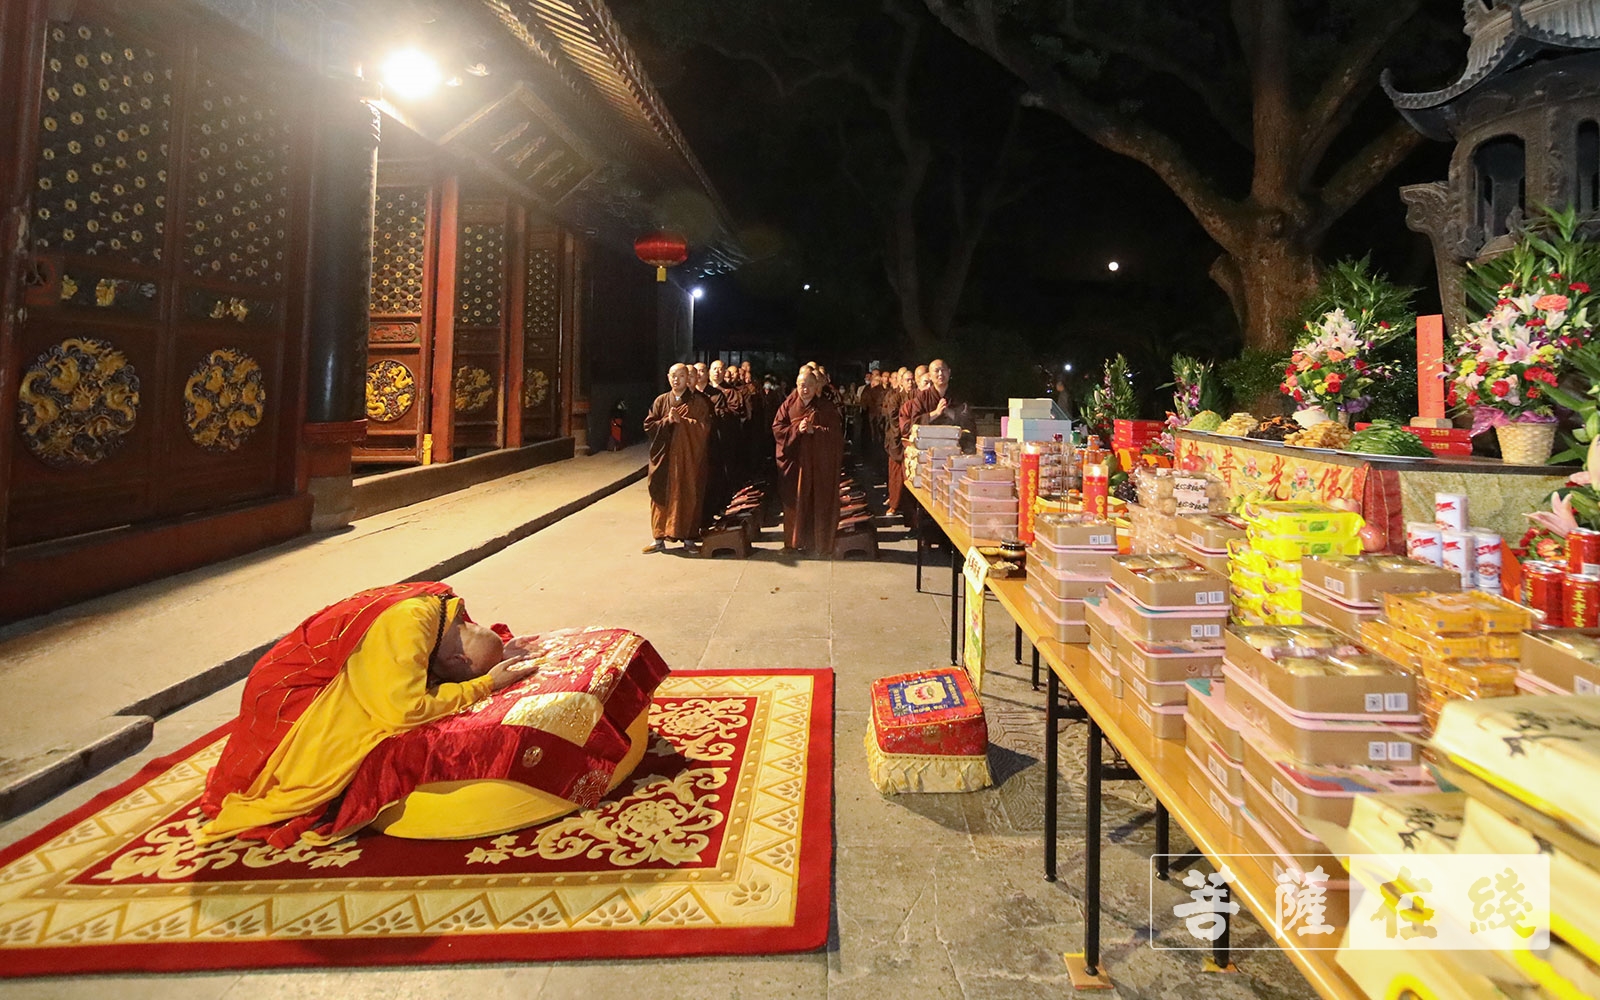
column 1509, row 364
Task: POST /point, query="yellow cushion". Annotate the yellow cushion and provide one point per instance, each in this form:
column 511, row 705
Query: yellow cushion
column 463, row 810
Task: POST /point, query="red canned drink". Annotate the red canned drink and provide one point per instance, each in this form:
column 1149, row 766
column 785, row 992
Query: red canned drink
column 1581, row 605
column 1543, row 590
column 1583, row 552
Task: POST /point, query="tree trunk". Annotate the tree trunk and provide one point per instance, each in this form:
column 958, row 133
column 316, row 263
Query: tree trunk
column 1268, row 277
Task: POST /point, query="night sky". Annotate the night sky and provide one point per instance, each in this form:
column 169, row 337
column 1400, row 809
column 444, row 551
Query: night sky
column 1040, row 277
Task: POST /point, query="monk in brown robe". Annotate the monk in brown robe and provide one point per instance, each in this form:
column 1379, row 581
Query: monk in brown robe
column 935, row 404
column 810, row 449
column 894, row 448
column 679, row 425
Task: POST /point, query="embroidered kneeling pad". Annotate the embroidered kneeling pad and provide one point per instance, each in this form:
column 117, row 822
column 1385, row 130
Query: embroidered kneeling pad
column 927, row 734
column 467, row 810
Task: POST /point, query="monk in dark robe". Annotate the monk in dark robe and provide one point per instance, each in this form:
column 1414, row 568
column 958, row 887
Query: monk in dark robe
column 809, row 436
column 893, row 447
column 679, row 425
column 936, row 404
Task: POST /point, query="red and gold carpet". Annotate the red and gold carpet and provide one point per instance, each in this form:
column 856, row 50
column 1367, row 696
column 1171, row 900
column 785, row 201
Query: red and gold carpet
column 720, row 843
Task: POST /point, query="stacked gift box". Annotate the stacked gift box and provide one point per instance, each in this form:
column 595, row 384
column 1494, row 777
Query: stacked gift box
column 984, row 502
column 1162, row 623
column 1518, row 761
column 945, row 476
column 1464, row 645
column 1265, row 571
column 1205, row 537
column 1322, row 721
column 1069, row 562
column 1343, row 592
column 929, row 446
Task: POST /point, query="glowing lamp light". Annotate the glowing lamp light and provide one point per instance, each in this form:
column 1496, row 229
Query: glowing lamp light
column 661, row 250
column 698, row 292
column 1113, row 266
column 805, row 288
column 411, row 73
column 1067, row 367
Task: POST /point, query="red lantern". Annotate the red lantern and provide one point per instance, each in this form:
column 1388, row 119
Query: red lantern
column 662, row 250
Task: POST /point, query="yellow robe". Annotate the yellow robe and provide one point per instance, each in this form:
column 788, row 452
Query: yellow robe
column 382, row 690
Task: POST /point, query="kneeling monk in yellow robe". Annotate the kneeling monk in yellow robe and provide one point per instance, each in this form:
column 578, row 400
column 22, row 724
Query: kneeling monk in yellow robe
column 354, row 674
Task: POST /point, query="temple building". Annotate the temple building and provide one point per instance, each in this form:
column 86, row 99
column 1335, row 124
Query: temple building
column 255, row 248
column 1525, row 118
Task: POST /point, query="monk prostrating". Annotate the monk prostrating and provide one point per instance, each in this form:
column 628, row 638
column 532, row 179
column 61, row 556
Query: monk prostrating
column 679, row 425
column 810, row 449
column 349, row 677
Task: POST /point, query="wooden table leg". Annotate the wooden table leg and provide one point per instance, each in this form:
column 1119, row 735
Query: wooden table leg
column 1052, row 763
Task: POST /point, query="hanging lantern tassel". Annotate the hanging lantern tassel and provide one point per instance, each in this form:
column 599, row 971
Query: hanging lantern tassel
column 662, row 250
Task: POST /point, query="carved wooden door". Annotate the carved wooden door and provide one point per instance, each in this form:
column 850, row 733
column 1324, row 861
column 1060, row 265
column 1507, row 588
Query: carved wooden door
column 542, row 310
column 475, row 403
column 156, row 373
column 400, row 333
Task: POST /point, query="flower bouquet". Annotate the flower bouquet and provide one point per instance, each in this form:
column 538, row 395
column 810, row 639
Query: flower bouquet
column 1508, row 365
column 1332, row 370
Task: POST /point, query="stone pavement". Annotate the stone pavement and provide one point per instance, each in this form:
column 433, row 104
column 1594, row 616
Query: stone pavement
column 84, row 685
column 935, row 896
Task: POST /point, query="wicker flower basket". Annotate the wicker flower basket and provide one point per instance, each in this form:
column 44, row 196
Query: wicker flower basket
column 1526, row 443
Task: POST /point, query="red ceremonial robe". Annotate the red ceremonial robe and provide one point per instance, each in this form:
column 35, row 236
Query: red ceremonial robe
column 808, row 468
column 290, row 676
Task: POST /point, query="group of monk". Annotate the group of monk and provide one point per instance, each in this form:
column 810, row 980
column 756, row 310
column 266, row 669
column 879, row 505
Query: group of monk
column 894, row 402
column 714, row 431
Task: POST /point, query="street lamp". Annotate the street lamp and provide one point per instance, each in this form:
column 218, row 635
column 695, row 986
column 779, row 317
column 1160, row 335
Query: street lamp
column 805, row 287
column 1113, row 266
column 411, row 73
column 698, row 292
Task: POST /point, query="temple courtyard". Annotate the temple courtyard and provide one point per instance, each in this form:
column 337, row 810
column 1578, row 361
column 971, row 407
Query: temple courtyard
column 934, row 896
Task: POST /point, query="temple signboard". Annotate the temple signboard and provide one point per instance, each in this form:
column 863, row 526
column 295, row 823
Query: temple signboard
column 518, row 137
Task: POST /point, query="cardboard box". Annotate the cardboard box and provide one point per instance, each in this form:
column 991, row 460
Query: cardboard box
column 1041, row 408
column 1274, row 833
column 1152, row 693
column 1210, row 533
column 1171, row 662
column 1165, row 722
column 1135, row 434
column 1320, row 739
column 1211, row 756
column 1097, row 612
column 1361, row 579
column 1075, row 531
column 1323, row 791
column 1204, row 627
column 1217, row 564
column 1159, row 587
column 1028, row 429
column 1105, row 674
column 1208, row 704
column 990, row 474
column 1227, row 807
column 1567, row 658
column 1101, row 644
column 1392, row 694
column 1334, row 613
column 1070, row 627
column 1066, row 585
column 1078, row 562
column 981, row 489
